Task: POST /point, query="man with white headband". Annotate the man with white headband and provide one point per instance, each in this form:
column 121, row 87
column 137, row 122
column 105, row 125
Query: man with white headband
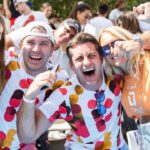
column 63, row 34
column 36, row 46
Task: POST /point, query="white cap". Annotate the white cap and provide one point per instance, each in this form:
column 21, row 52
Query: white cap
column 27, row 31
column 19, row 1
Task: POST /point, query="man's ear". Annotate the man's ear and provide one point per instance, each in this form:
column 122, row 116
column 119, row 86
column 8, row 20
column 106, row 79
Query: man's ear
column 71, row 65
column 20, row 44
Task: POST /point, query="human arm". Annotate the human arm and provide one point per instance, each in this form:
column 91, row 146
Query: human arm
column 32, row 123
column 6, row 7
column 126, row 48
column 145, row 36
column 142, row 11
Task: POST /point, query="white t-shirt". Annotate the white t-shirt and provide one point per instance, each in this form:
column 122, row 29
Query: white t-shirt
column 114, row 14
column 16, row 83
column 23, row 20
column 78, row 107
column 144, row 26
column 98, row 23
column 59, row 57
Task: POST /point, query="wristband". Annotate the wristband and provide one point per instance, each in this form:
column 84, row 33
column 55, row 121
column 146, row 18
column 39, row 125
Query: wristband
column 28, row 101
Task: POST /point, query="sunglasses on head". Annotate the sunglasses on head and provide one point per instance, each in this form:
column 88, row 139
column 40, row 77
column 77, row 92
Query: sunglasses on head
column 106, row 50
column 100, row 97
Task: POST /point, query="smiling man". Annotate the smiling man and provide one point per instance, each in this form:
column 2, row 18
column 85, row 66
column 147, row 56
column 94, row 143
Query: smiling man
column 89, row 102
column 36, row 46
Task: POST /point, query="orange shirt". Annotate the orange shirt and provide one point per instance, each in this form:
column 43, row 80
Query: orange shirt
column 136, row 92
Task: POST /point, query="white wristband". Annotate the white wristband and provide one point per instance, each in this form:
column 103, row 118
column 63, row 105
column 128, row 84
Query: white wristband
column 28, row 101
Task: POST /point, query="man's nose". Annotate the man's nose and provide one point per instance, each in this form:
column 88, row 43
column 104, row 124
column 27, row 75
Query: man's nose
column 36, row 47
column 86, row 61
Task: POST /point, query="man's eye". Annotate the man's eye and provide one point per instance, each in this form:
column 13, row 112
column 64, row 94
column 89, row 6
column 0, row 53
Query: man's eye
column 67, row 31
column 30, row 42
column 44, row 44
column 79, row 59
column 91, row 55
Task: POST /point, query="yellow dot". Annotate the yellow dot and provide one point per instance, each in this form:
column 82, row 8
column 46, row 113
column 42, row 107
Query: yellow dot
column 13, row 65
column 68, row 83
column 57, row 84
column 78, row 89
column 80, row 140
column 73, row 98
column 11, row 132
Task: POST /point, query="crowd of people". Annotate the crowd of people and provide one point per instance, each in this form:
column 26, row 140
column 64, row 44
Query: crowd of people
column 91, row 71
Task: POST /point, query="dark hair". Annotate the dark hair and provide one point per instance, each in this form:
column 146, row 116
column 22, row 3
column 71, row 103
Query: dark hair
column 119, row 2
column 129, row 22
column 81, row 7
column 81, row 38
column 103, row 8
column 29, row 4
column 2, row 54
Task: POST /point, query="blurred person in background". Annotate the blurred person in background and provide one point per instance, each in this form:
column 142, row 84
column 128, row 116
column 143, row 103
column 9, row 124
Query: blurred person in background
column 54, row 21
column 119, row 9
column 129, row 22
column 10, row 11
column 46, row 8
column 6, row 19
column 82, row 12
column 99, row 22
column 27, row 14
column 143, row 14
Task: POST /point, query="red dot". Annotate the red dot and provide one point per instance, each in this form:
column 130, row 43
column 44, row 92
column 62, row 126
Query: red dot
column 119, row 121
column 63, row 91
column 69, row 118
column 117, row 90
column 2, row 136
column 14, row 102
column 108, row 117
column 8, row 74
column 24, row 84
column 99, row 145
column 108, row 103
column 37, row 101
column 101, row 126
column 9, row 114
column 91, row 104
column 62, row 110
column 76, row 108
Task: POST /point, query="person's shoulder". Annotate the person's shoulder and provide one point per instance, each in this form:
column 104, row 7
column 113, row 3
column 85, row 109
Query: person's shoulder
column 38, row 13
column 114, row 11
column 40, row 16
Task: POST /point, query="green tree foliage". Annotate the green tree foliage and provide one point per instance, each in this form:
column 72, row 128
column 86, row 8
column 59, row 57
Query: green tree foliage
column 62, row 8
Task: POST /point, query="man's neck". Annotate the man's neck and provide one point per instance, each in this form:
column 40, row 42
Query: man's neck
column 27, row 11
column 31, row 72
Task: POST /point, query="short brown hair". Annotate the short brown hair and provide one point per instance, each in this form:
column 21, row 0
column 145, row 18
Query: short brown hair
column 81, row 38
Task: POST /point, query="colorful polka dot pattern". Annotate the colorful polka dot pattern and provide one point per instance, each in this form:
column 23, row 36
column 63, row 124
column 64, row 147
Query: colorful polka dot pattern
column 75, row 113
column 16, row 83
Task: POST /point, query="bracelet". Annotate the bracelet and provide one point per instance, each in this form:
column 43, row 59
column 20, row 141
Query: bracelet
column 28, row 101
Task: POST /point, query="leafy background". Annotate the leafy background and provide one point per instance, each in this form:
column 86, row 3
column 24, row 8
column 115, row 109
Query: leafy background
column 62, row 8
